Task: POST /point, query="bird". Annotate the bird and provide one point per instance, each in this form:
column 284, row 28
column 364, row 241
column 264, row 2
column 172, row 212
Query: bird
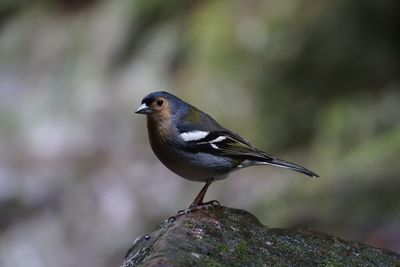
column 193, row 145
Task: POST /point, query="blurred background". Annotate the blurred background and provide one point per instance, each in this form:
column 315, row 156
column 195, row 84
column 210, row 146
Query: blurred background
column 314, row 82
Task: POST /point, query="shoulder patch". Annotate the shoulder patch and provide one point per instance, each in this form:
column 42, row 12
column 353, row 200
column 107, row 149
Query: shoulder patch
column 193, row 135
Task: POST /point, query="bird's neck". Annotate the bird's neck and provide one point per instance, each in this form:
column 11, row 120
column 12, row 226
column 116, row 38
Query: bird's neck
column 159, row 128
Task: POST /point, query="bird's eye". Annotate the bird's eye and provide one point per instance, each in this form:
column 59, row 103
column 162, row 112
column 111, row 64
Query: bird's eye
column 160, row 102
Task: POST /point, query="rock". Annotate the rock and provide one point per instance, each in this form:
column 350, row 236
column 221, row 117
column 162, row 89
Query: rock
column 222, row 236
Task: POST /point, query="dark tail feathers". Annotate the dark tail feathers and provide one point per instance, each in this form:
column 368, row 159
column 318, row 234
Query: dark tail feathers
column 289, row 165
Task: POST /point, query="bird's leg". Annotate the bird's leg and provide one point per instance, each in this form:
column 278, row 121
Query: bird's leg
column 198, row 201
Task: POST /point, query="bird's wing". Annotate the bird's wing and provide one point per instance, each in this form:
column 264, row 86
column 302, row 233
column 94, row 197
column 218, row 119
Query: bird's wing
column 201, row 133
column 224, row 143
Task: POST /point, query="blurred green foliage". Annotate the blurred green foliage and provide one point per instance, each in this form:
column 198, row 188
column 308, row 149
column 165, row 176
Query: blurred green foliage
column 316, row 82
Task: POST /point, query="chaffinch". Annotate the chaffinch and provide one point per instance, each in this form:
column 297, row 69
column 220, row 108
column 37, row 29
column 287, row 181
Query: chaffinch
column 193, row 145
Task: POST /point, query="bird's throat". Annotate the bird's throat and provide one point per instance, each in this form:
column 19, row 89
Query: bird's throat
column 159, row 129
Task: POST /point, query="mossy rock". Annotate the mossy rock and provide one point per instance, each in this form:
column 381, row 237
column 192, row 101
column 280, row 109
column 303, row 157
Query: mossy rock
column 222, row 236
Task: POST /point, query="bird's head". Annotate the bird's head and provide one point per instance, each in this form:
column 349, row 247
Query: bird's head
column 161, row 104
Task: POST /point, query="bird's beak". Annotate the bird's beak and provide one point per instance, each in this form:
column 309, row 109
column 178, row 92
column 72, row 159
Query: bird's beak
column 143, row 109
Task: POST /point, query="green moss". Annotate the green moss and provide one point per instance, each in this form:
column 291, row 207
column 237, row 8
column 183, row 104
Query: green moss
column 209, row 262
column 189, row 224
column 243, row 252
column 223, row 248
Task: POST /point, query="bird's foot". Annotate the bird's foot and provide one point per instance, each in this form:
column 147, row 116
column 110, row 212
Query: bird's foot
column 203, row 205
column 211, row 203
column 193, row 207
column 178, row 214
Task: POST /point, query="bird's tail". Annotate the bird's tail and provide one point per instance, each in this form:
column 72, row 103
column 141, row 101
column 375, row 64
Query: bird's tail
column 287, row 165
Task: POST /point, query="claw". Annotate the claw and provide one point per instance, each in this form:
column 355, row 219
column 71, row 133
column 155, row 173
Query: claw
column 212, row 203
column 171, row 219
column 204, row 205
column 180, row 213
